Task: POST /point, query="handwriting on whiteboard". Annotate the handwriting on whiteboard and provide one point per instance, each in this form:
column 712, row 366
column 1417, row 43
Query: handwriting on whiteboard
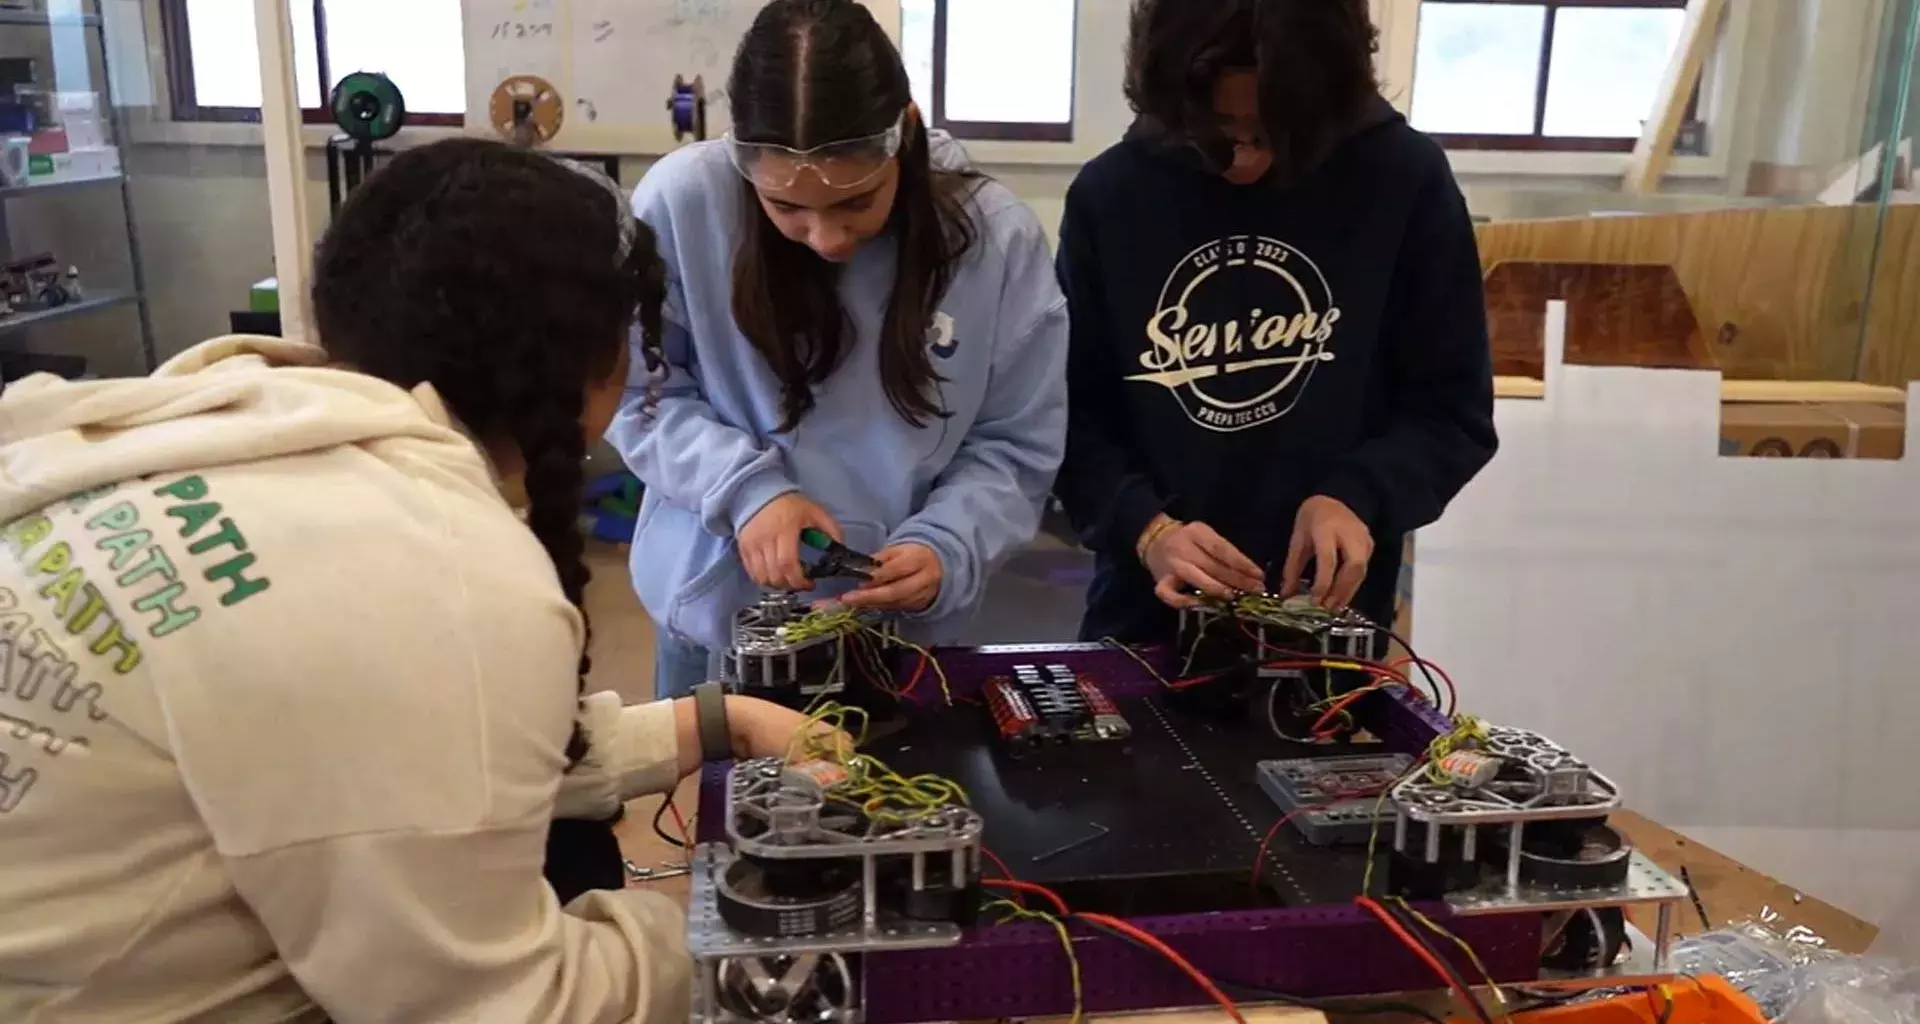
column 522, row 30
column 710, row 12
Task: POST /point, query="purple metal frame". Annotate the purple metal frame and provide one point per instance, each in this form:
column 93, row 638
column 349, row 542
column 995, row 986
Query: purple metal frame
column 1019, row 970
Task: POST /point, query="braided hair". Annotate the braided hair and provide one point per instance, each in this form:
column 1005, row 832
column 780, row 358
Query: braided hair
column 509, row 282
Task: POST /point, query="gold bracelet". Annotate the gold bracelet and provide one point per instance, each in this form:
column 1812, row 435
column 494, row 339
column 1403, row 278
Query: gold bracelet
column 1167, row 524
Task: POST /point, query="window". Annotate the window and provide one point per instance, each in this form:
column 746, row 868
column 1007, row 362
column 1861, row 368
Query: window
column 1557, row 74
column 961, row 56
column 213, row 55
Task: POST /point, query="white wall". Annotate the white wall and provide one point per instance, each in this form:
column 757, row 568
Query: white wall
column 203, row 211
column 1733, row 640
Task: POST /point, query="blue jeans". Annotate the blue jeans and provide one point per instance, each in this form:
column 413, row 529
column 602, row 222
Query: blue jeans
column 679, row 666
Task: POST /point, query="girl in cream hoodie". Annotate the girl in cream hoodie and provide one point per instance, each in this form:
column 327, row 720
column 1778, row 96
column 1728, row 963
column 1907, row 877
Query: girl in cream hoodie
column 287, row 687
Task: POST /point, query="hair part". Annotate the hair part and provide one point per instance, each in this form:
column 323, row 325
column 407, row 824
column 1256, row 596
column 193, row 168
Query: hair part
column 808, row 73
column 1314, row 59
column 496, row 275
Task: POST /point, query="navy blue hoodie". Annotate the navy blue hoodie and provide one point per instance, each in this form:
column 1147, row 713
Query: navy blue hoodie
column 1238, row 349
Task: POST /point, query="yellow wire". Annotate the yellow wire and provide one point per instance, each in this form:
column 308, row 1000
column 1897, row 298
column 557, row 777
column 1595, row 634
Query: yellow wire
column 1135, row 655
column 932, row 662
column 1467, row 732
column 884, row 795
column 1016, row 912
column 1498, row 996
column 820, row 622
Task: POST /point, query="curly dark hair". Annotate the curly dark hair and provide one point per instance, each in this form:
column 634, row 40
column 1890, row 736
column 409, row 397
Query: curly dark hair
column 1314, row 59
column 810, row 72
column 507, row 281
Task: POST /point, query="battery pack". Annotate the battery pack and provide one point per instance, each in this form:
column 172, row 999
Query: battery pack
column 1319, row 792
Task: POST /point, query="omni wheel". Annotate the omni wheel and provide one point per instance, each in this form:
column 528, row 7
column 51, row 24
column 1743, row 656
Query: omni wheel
column 808, row 988
column 1591, row 940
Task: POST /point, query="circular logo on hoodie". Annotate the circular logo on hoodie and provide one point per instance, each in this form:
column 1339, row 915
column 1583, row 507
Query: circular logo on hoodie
column 1240, row 327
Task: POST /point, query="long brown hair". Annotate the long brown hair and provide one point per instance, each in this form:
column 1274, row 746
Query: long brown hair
column 811, row 72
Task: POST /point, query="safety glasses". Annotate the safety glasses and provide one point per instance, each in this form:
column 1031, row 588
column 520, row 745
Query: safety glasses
column 847, row 164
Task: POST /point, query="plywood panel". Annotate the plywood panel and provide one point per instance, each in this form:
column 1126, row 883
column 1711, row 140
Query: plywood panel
column 1778, row 292
column 1636, row 314
column 1891, row 354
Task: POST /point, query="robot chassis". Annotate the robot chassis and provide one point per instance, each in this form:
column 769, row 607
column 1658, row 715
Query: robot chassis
column 890, row 941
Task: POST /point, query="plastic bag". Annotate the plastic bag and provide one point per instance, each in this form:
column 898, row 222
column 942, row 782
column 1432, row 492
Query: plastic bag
column 1857, row 990
column 1771, row 967
column 1796, row 979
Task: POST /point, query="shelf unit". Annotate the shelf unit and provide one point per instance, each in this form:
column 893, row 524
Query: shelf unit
column 96, row 299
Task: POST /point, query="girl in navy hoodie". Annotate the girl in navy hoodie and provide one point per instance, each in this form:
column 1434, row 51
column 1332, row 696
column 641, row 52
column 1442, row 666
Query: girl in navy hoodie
column 1279, row 364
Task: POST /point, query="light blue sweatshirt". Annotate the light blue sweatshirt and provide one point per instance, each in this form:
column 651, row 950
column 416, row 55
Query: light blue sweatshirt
column 970, row 487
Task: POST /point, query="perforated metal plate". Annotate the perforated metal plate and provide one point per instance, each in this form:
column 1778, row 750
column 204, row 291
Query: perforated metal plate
column 708, row 936
column 1646, row 883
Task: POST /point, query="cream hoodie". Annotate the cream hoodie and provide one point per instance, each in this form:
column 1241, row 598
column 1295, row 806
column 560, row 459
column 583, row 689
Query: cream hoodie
column 285, row 689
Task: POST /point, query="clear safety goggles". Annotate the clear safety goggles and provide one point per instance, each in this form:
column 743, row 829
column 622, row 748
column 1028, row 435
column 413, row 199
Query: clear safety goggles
column 847, row 164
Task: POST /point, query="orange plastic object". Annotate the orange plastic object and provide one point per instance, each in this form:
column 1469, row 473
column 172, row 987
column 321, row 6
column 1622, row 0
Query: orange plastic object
column 1702, row 1000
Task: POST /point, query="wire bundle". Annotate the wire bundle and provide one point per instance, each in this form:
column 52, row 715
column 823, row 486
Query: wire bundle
column 832, row 735
column 849, row 625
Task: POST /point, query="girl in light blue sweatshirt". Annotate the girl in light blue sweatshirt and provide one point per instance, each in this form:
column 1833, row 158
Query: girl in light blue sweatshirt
column 863, row 335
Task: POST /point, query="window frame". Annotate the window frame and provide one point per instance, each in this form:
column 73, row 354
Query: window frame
column 181, row 92
column 1538, row 140
column 1001, row 131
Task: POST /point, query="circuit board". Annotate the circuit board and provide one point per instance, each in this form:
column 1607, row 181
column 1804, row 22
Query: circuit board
column 1334, row 800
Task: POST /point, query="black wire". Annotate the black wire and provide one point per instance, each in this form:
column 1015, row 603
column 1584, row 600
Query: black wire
column 1239, row 991
column 659, row 813
column 1418, row 932
column 1433, row 684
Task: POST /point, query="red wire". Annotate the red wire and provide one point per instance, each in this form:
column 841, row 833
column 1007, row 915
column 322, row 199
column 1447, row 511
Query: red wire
column 1042, row 891
column 1453, row 695
column 1060, row 906
column 913, row 683
column 1186, row 966
column 1407, row 940
column 997, row 862
column 1320, row 725
column 679, row 822
column 1260, row 856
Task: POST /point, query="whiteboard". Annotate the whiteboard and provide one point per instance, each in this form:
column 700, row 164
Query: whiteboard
column 613, row 61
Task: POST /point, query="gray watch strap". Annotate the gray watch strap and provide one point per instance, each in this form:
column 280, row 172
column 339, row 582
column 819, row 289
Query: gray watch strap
column 710, row 713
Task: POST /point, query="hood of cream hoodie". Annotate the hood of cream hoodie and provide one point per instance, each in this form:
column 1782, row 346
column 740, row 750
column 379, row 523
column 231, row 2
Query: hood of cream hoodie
column 284, row 682
column 233, row 399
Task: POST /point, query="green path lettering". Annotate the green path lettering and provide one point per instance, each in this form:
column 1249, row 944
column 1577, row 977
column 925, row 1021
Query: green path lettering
column 120, row 517
column 115, row 639
column 27, row 533
column 157, row 562
column 239, row 587
column 171, row 618
column 193, row 517
column 229, row 535
column 190, row 488
column 61, row 591
column 95, row 604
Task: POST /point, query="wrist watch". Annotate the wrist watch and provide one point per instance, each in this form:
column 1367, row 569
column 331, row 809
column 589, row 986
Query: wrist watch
column 710, row 715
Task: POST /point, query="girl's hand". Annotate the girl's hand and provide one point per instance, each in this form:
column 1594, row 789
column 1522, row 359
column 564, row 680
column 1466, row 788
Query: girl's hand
column 1194, row 555
column 764, row 729
column 908, row 580
column 770, row 542
column 1339, row 544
